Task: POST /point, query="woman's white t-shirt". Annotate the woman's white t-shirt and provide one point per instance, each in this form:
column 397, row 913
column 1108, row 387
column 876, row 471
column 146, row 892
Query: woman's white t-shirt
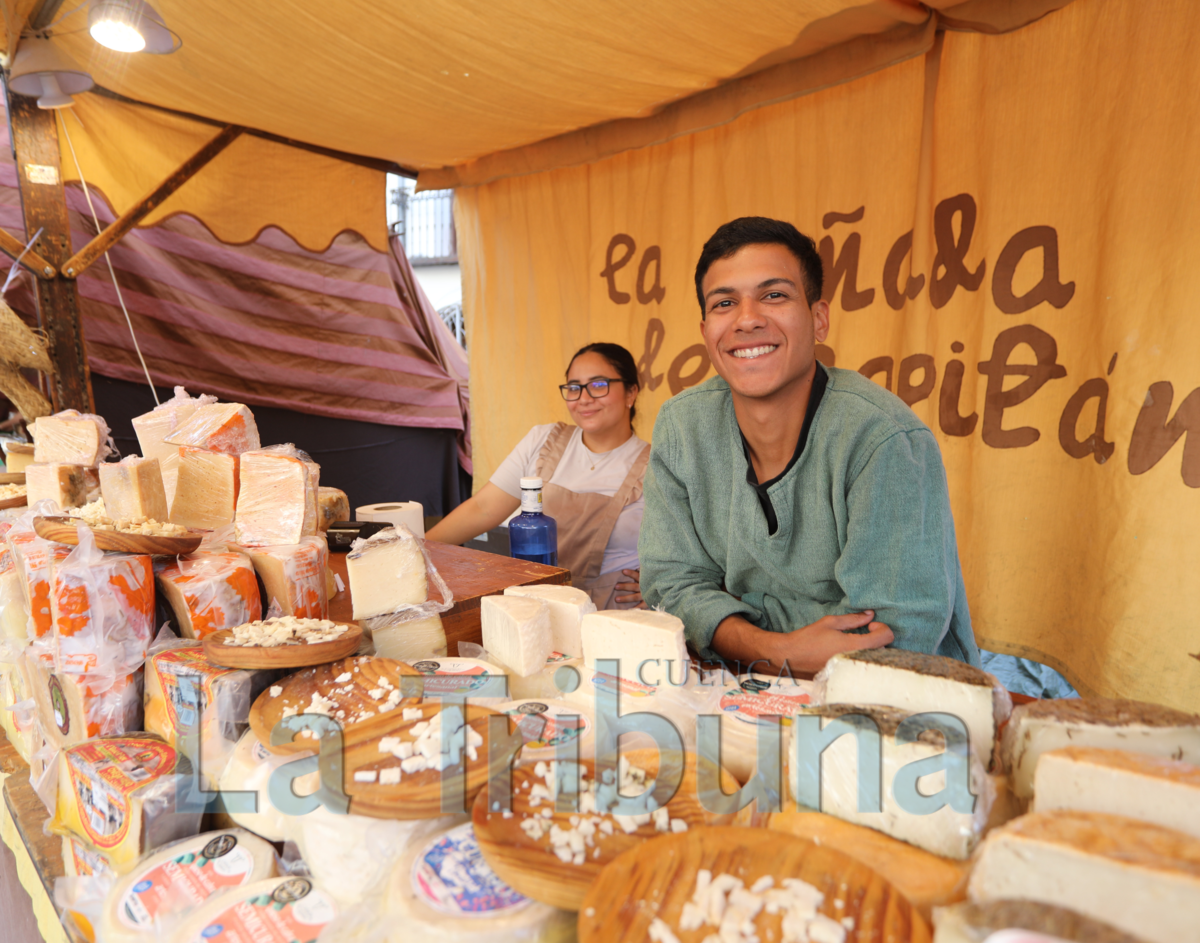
column 585, row 472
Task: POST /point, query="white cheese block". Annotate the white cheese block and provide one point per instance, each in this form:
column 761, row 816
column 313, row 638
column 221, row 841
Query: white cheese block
column 1141, row 878
column 70, row 438
column 387, row 572
column 568, row 606
column 277, row 910
column 177, row 879
column 62, row 484
column 153, row 427
column 133, row 489
column 969, row 922
column 548, row 726
column 1149, row 788
column 516, row 631
column 1042, row 726
column 545, row 683
column 249, row 770
column 946, row 832
column 632, row 637
column 206, row 489
column 408, row 639
column 916, row 682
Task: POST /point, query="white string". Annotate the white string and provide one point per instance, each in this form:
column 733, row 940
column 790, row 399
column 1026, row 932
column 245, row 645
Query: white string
column 111, row 271
column 16, row 266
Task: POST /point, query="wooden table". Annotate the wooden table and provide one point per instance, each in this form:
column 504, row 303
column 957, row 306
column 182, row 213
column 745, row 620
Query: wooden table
column 471, row 575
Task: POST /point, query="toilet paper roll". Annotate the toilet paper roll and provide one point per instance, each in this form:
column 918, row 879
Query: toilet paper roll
column 409, row 513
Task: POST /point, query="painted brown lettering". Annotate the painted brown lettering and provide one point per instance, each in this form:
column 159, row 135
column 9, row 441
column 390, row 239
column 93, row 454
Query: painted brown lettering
column 949, row 418
column 612, row 265
column 845, row 265
column 656, row 291
column 877, row 365
column 949, row 264
column 915, row 392
column 655, row 335
column 1048, row 288
column 1154, row 435
column 997, row 399
column 677, row 380
column 891, row 274
column 1095, row 444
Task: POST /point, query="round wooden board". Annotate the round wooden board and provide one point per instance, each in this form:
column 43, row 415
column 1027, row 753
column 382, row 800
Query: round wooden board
column 63, row 530
column 18, row 502
column 657, row 878
column 529, row 866
column 279, row 656
column 367, row 673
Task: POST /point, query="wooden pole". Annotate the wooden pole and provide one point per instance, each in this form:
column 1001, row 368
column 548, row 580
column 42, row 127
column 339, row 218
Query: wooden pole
column 75, row 266
column 11, row 245
column 44, row 205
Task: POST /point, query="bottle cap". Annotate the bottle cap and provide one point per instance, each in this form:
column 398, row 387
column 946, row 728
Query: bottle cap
column 527, row 484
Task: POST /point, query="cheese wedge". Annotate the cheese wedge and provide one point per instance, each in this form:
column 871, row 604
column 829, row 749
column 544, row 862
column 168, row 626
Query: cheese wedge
column 1042, row 726
column 568, row 606
column 1141, row 878
column 294, row 577
column 421, row 636
column 153, row 427
column 209, row 592
column 72, row 708
column 18, row 713
column 333, row 505
column 62, row 484
column 976, row 922
column 218, row 427
column 516, row 631
column 249, row 770
column 387, row 572
column 17, row 456
column 916, row 682
column 277, row 497
column 1148, row 788
column 133, row 490
column 634, row 637
column 103, row 610
column 69, row 438
column 206, row 491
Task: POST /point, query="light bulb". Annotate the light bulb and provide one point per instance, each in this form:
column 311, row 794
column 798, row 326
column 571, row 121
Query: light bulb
column 118, row 35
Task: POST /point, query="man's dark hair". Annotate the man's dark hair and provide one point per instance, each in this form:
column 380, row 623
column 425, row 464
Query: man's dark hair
column 619, row 359
column 757, row 231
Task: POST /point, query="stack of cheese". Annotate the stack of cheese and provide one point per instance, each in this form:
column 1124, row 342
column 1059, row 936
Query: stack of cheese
column 68, row 447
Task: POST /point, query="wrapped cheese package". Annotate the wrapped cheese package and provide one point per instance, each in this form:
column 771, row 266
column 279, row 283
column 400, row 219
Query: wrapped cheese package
column 206, row 489
column 118, row 795
column 549, row 726
column 249, row 770
column 225, row 696
column 14, row 608
column 210, row 591
column 218, row 427
column 75, row 706
column 293, row 576
column 17, row 708
column 82, row 861
column 153, row 427
column 277, row 496
column 70, row 438
column 279, row 909
column 61, row 484
column 35, row 559
column 743, row 704
column 391, row 571
column 133, row 490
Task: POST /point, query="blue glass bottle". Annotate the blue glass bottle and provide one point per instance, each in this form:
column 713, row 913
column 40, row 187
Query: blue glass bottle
column 531, row 534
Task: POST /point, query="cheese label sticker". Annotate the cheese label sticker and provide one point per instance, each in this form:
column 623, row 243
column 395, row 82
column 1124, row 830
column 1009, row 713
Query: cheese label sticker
column 104, row 774
column 547, row 725
column 185, row 881
column 452, row 675
column 760, row 697
column 85, row 861
column 293, row 913
column 451, row 876
column 169, row 666
column 624, row 685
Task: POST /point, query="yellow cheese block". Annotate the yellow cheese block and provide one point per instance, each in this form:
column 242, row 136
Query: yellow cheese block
column 57, row 482
column 18, row 724
column 133, row 490
column 72, row 708
column 206, row 489
column 81, row 861
column 17, row 456
column 153, row 427
column 14, row 609
column 69, row 437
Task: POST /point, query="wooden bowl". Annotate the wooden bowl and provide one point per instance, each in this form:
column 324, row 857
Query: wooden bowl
column 279, row 656
column 655, row 880
column 63, row 530
column 18, row 502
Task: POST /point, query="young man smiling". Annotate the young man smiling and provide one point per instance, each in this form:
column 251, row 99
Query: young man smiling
column 794, row 511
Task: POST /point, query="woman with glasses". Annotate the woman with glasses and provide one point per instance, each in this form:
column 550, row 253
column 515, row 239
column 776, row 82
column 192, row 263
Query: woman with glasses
column 593, row 474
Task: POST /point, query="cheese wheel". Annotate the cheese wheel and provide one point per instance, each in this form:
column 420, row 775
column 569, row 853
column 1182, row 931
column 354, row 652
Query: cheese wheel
column 249, row 770
column 332, row 506
column 73, row 707
column 278, row 910
column 179, row 878
column 102, row 605
column 548, row 725
column 460, row 677
column 680, row 703
column 294, row 577
column 14, row 610
column 443, row 890
column 18, row 724
column 740, row 706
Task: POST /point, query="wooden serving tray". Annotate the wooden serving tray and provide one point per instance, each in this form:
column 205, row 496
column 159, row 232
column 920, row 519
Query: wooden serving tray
column 658, row 877
column 297, row 690
column 302, row 655
column 12, row 478
column 62, row 530
column 18, row 502
column 532, row 869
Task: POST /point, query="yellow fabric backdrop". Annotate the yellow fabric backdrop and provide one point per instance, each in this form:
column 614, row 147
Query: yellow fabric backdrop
column 1048, row 179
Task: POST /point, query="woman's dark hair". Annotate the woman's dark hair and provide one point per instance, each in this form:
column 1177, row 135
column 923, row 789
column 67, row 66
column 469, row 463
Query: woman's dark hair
column 759, row 230
column 620, row 359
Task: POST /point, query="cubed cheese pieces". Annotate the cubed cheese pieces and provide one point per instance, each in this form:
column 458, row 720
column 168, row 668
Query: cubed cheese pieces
column 153, row 427
column 516, row 631
column 294, row 577
column 970, row 922
column 387, row 572
column 206, row 490
column 218, row 427
column 1141, row 878
column 133, row 490
column 69, row 438
column 17, row 456
column 209, row 592
column 568, row 606
column 65, row 485
column 277, row 498
column 634, row 636
column 1048, row 725
column 103, row 610
column 1150, row 788
column 332, row 505
column 916, row 682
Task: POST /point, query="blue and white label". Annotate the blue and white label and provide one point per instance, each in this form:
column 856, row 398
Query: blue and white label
column 451, row 876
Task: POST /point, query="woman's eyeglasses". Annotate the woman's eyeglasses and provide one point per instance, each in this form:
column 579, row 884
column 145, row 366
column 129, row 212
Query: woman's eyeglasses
column 596, row 388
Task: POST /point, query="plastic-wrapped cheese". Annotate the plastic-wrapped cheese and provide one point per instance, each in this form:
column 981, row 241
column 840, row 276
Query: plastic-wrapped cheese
column 14, row 609
column 408, row 636
column 741, row 705
column 17, row 456
column 294, row 577
column 17, row 711
column 548, row 726
column 516, row 631
column 133, row 489
column 458, row 677
column 1021, row 921
column 547, row 683
column 332, row 506
column 218, row 427
column 72, row 708
column 63, row 484
column 206, row 489
column 34, row 559
column 249, row 770
column 277, row 496
column 80, row 861
column 278, row 910
column 443, row 890
column 387, row 571
column 70, row 437
column 153, row 427
column 568, row 606
column 103, row 607
column 209, row 592
column 180, row 878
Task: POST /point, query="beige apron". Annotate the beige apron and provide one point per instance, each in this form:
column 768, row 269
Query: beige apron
column 586, row 521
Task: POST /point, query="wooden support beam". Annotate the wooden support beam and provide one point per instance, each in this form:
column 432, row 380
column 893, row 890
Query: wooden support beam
column 11, row 245
column 44, row 205
column 75, row 266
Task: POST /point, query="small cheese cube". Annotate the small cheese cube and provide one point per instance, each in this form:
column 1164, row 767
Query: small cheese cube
column 206, row 490
column 69, row 438
column 632, row 637
column 62, row 484
column 294, row 576
column 277, row 497
column 17, row 456
column 210, row 591
column 333, row 506
column 568, row 606
column 387, row 571
column 133, row 489
column 516, row 631
column 218, row 427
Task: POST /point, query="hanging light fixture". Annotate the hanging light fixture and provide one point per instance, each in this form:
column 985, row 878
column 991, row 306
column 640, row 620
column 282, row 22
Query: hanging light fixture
column 130, row 26
column 41, row 70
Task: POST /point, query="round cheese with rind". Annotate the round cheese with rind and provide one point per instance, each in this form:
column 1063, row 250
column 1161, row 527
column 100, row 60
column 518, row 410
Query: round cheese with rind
column 278, row 910
column 458, row 677
column 249, row 770
column 740, row 707
column 548, row 726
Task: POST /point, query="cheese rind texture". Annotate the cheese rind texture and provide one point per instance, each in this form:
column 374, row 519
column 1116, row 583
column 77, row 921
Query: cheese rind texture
column 568, row 606
column 133, row 489
column 70, row 438
column 294, row 577
column 1148, row 788
column 72, row 708
column 333, row 505
column 971, row 922
column 277, row 497
column 422, row 636
column 1141, row 878
column 632, row 637
column 17, row 456
column 209, row 592
column 218, row 427
column 1136, row 726
column 206, row 489
column 63, row 484
column 516, row 631
column 387, row 572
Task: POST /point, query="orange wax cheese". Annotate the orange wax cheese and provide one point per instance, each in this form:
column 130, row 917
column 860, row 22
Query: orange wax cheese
column 294, row 576
column 34, row 559
column 206, row 489
column 133, row 490
column 210, row 591
column 103, row 605
column 65, row 485
column 218, row 427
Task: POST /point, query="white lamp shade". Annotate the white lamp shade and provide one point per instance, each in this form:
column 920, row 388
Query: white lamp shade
column 43, row 71
column 130, row 26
